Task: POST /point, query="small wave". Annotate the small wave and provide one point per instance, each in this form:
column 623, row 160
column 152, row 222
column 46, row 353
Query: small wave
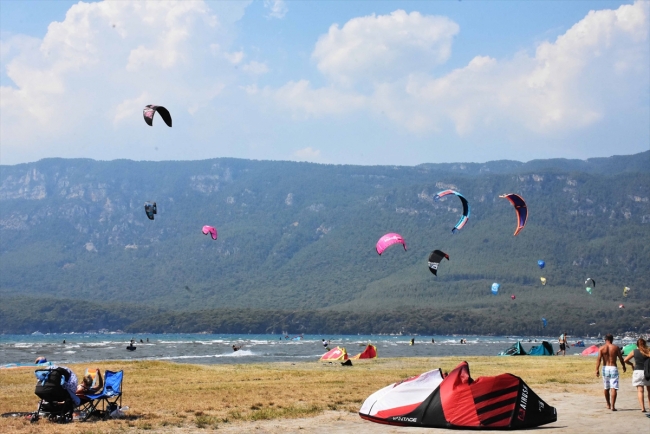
column 69, row 352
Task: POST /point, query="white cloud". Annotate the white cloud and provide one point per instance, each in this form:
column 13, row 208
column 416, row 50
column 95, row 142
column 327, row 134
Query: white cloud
column 84, row 84
column 305, row 102
column 235, row 58
column 594, row 70
column 277, row 8
column 307, row 154
column 255, row 68
column 384, row 47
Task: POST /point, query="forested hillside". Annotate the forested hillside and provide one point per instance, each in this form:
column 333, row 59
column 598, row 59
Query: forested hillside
column 299, row 237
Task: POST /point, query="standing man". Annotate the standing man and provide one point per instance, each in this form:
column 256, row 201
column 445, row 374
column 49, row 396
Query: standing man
column 562, row 341
column 608, row 354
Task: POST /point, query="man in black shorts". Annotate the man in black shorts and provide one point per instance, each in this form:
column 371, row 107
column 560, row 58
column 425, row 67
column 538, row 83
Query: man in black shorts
column 563, row 342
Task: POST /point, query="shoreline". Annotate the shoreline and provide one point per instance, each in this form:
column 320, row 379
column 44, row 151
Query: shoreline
column 279, row 397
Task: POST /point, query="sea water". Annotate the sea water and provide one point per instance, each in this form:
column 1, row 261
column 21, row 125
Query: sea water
column 213, row 349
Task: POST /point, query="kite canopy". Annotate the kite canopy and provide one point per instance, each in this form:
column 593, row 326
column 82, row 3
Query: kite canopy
column 590, row 283
column 151, row 110
column 512, row 297
column 513, row 350
column 458, row 401
column 621, row 306
column 369, row 353
column 544, row 349
column 464, row 217
column 543, row 280
column 150, row 209
column 210, row 230
column 334, row 355
column 541, row 263
column 628, row 349
column 495, row 288
column 544, row 323
column 388, row 240
column 590, row 351
column 434, row 260
column 520, row 208
column 625, row 291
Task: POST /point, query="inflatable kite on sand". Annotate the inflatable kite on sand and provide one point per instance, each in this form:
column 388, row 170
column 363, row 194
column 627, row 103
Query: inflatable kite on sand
column 430, row 400
column 369, row 353
column 336, row 354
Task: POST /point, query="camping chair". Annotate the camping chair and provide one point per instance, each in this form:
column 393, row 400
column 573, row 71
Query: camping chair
column 56, row 403
column 105, row 402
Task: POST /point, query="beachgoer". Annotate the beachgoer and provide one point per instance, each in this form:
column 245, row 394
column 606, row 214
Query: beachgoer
column 640, row 355
column 562, row 341
column 608, row 354
column 86, row 386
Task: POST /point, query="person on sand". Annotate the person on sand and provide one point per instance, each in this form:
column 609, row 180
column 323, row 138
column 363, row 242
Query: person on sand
column 86, row 386
column 608, row 354
column 562, row 341
column 640, row 355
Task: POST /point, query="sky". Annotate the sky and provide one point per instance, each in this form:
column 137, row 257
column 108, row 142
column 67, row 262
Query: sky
column 335, row 82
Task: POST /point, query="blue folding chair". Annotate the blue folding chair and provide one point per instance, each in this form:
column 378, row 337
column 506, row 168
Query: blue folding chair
column 109, row 399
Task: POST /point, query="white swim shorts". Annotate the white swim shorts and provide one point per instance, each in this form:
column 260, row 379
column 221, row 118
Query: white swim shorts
column 610, row 377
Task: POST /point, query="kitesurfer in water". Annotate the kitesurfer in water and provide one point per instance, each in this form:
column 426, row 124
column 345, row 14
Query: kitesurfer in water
column 236, row 347
column 433, row 341
column 326, row 344
column 608, row 355
column 562, row 341
column 412, row 341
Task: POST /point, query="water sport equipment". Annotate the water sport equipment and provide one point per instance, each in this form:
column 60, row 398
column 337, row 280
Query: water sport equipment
column 463, row 219
column 209, row 230
column 457, row 401
column 578, row 344
column 628, row 349
column 512, row 297
column 541, row 264
column 544, row 322
column 625, row 291
column 621, row 306
column 513, row 350
column 388, row 240
column 495, row 288
column 590, row 284
column 543, row 349
column 334, row 355
column 370, row 352
column 434, row 260
column 543, row 280
column 150, row 209
column 25, row 365
column 521, row 209
column 151, row 110
column 590, row 351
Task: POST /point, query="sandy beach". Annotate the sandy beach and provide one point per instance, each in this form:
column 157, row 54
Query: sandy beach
column 312, row 397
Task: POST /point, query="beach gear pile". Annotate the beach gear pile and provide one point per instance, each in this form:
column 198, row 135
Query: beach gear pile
column 431, row 400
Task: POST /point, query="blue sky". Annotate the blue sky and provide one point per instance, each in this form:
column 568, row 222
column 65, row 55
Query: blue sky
column 339, row 82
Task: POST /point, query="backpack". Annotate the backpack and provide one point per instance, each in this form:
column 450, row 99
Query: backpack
column 646, row 369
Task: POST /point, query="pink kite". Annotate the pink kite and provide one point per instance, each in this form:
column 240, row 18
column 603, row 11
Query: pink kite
column 210, row 230
column 513, row 297
column 388, row 240
column 590, row 351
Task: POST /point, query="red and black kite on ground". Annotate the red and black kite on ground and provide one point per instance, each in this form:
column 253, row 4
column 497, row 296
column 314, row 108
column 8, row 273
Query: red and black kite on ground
column 431, row 400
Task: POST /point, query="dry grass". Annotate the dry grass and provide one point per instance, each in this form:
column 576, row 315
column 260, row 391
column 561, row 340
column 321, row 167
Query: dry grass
column 165, row 395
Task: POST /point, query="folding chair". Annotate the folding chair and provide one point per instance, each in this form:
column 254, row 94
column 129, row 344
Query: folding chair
column 109, row 399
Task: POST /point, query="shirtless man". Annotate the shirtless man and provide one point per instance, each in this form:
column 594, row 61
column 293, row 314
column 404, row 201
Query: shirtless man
column 608, row 353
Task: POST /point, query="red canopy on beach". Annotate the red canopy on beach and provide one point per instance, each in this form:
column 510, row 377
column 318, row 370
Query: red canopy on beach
column 590, row 351
column 369, row 353
column 335, row 354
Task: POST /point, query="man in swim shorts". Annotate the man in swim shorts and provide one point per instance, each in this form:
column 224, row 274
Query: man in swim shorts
column 608, row 354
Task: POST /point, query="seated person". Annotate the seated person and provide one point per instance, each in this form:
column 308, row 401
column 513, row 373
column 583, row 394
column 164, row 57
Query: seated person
column 91, row 384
